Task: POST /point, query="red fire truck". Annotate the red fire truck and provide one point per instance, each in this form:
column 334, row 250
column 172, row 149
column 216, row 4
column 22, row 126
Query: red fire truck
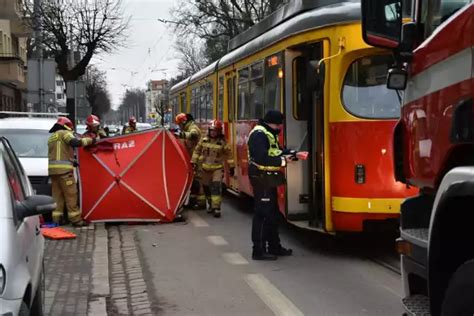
column 433, row 45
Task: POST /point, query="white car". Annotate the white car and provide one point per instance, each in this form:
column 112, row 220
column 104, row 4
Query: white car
column 81, row 129
column 29, row 138
column 22, row 245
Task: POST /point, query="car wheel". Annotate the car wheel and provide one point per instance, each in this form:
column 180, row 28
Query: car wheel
column 459, row 297
column 24, row 310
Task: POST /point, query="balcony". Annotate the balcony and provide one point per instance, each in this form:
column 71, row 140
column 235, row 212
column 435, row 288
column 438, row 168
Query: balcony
column 11, row 9
column 12, row 70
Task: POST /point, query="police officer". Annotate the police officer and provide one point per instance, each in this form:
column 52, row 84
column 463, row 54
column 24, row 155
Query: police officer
column 209, row 155
column 266, row 159
column 61, row 169
column 190, row 135
column 93, row 129
column 132, row 126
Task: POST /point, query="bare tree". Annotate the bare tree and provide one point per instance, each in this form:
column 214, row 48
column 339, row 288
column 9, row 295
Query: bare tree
column 96, row 91
column 217, row 21
column 91, row 26
column 191, row 55
column 133, row 104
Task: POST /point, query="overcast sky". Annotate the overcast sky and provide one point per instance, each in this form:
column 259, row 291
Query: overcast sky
column 149, row 53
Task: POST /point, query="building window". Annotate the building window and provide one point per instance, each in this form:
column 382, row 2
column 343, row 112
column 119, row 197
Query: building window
column 59, row 96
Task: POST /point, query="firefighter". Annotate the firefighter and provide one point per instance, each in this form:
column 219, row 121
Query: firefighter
column 61, row 165
column 209, row 155
column 132, row 126
column 93, row 128
column 266, row 159
column 190, row 134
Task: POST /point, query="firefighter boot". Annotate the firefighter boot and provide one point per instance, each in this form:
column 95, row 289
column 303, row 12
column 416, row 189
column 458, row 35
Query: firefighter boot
column 58, row 219
column 216, row 212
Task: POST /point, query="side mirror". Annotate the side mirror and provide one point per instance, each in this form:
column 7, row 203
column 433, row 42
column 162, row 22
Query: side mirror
column 382, row 22
column 35, row 205
column 397, row 79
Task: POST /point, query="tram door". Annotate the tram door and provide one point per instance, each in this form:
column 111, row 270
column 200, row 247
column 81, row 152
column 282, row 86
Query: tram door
column 230, row 100
column 305, row 131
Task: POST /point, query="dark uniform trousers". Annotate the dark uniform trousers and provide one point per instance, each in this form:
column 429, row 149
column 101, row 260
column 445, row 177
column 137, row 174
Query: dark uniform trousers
column 266, row 216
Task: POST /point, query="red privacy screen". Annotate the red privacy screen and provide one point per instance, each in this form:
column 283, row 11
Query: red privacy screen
column 138, row 177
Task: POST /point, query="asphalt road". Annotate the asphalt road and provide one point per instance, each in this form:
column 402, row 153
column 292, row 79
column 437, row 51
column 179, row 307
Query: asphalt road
column 204, row 267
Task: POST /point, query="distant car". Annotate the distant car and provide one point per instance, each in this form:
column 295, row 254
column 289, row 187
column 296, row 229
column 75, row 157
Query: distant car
column 22, row 245
column 29, row 138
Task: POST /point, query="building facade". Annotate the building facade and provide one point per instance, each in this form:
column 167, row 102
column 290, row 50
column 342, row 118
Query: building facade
column 157, row 100
column 13, row 58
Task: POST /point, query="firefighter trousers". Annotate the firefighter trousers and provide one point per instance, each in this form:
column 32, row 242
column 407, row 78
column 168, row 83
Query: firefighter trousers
column 266, row 217
column 196, row 199
column 65, row 194
column 211, row 189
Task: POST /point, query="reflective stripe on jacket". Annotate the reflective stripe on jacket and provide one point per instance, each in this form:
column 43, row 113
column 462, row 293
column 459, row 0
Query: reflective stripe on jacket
column 61, row 153
column 273, row 150
column 211, row 153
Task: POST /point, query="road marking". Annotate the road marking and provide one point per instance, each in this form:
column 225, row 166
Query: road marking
column 217, row 240
column 271, row 296
column 197, row 221
column 234, row 258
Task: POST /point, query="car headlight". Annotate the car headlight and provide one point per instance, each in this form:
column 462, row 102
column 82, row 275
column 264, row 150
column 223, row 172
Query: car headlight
column 3, row 279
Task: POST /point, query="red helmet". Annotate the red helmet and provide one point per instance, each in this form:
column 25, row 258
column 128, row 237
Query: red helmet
column 92, row 121
column 181, row 118
column 217, row 125
column 132, row 120
column 65, row 122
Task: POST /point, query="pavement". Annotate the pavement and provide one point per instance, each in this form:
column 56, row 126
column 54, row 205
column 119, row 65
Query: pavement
column 204, row 267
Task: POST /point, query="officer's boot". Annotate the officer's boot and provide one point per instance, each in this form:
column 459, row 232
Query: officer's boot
column 259, row 253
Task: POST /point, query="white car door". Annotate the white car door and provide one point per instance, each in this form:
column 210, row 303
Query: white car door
column 29, row 239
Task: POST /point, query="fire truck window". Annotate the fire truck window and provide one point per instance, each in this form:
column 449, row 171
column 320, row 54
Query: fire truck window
column 434, row 13
column 365, row 93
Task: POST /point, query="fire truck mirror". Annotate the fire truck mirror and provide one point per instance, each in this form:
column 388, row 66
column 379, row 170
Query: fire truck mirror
column 382, row 22
column 397, row 79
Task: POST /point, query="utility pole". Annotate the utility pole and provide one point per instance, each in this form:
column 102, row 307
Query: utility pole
column 39, row 51
column 71, row 87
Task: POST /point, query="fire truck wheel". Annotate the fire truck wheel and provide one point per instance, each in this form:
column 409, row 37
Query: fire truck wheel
column 459, row 298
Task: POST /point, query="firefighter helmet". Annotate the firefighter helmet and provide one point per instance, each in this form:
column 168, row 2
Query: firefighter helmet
column 65, row 122
column 92, row 121
column 181, row 118
column 132, row 121
column 216, row 125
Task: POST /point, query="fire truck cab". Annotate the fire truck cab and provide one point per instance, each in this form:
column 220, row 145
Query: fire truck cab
column 433, row 45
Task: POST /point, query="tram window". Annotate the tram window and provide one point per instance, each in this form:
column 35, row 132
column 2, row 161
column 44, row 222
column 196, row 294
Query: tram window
column 220, row 100
column 195, row 103
column 365, row 92
column 209, row 101
column 231, row 98
column 243, row 105
column 256, row 91
column 273, row 69
column 183, row 106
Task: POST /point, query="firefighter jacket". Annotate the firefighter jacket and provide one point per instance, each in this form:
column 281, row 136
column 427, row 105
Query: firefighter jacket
column 211, row 153
column 264, row 152
column 129, row 130
column 191, row 135
column 100, row 134
column 61, row 152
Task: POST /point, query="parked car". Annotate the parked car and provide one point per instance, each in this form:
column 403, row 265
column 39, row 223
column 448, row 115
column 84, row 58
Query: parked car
column 29, row 138
column 22, row 245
